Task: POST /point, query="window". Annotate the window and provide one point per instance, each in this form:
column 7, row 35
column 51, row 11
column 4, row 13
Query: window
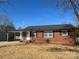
column 33, row 34
column 64, row 33
column 48, row 34
column 24, row 34
column 17, row 34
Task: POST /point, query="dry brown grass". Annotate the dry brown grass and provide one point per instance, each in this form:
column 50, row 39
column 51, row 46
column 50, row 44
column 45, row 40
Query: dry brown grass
column 36, row 51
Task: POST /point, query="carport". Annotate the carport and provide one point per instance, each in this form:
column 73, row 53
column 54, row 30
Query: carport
column 14, row 35
column 17, row 35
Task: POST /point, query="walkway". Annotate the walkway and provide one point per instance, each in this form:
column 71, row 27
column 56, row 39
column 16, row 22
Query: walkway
column 9, row 43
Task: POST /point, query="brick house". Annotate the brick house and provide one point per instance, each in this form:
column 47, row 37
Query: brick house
column 54, row 34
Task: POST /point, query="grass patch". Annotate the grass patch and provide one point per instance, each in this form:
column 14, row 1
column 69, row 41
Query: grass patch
column 60, row 48
column 36, row 51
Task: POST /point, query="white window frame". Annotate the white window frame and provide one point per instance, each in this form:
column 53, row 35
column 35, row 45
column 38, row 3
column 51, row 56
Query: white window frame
column 47, row 34
column 64, row 33
column 51, row 36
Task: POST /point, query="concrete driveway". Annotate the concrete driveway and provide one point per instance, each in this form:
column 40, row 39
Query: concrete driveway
column 9, row 43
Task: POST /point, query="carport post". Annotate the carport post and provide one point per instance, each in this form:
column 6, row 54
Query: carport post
column 21, row 35
column 14, row 36
column 7, row 36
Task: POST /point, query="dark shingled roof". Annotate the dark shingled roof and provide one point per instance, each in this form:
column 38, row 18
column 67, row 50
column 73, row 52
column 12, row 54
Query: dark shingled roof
column 51, row 27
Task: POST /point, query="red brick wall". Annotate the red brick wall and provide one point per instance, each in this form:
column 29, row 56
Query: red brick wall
column 39, row 37
column 57, row 39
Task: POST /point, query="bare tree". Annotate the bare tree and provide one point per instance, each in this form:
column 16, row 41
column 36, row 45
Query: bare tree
column 5, row 20
column 72, row 5
column 6, row 23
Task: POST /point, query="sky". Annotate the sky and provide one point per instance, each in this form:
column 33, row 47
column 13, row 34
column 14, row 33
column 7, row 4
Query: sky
column 25, row 13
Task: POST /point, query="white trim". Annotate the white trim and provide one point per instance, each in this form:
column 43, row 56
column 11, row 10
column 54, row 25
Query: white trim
column 20, row 36
column 35, row 34
column 28, row 34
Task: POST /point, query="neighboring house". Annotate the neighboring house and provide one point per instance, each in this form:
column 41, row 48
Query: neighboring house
column 3, row 32
column 55, row 34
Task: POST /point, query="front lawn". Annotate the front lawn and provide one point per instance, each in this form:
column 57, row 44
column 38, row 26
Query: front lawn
column 39, row 51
